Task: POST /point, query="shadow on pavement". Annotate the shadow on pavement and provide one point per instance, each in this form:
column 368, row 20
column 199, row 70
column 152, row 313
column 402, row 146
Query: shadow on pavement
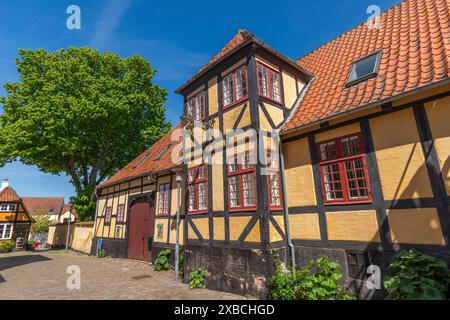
column 15, row 261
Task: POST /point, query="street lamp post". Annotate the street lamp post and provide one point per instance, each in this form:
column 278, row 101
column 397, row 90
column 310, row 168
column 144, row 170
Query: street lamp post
column 179, row 178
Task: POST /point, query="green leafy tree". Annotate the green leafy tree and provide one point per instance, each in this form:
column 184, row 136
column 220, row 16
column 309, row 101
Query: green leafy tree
column 80, row 112
column 41, row 224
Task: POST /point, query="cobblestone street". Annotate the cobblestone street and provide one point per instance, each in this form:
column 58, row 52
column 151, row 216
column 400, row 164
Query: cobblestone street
column 42, row 275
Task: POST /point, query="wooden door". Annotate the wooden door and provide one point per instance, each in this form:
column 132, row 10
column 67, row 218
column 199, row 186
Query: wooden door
column 140, row 228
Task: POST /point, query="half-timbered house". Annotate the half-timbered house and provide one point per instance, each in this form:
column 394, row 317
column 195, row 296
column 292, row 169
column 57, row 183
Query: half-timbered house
column 15, row 221
column 361, row 172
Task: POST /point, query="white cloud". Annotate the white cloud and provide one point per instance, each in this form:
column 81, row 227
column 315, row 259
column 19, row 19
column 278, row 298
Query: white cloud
column 110, row 18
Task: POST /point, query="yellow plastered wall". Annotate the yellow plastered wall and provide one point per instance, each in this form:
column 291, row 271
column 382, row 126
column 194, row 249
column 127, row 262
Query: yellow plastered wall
column 305, row 226
column 202, row 225
column 237, row 225
column 238, row 64
column 213, row 97
column 10, row 216
column 353, row 226
column 217, row 187
column 230, row 116
column 276, row 114
column 219, row 228
column 274, row 235
column 173, row 230
column 163, row 237
column 438, row 113
column 174, row 196
column 290, row 89
column 254, row 236
column 339, row 132
column 415, row 226
column 299, row 174
column 400, row 158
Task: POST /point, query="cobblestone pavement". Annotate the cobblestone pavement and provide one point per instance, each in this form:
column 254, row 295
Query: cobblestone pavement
column 42, row 275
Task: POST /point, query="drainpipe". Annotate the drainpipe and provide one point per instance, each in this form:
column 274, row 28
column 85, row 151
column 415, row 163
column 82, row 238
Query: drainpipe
column 286, row 210
column 177, row 244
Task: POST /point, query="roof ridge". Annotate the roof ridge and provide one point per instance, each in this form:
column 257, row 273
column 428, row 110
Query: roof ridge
column 346, row 32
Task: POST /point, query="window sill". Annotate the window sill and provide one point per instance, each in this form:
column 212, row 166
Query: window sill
column 231, row 105
column 277, row 103
column 197, row 213
column 348, row 203
column 243, row 209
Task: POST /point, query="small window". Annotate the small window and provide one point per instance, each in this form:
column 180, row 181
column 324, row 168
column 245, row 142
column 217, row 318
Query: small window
column 242, row 182
column 344, row 171
column 235, row 86
column 159, row 156
column 164, row 199
column 6, row 231
column 358, row 262
column 108, row 215
column 8, row 207
column 273, row 182
column 195, row 106
column 145, row 157
column 198, row 190
column 269, row 85
column 159, row 231
column 120, row 213
column 364, row 68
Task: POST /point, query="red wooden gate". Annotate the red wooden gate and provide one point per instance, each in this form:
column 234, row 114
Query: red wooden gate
column 140, row 228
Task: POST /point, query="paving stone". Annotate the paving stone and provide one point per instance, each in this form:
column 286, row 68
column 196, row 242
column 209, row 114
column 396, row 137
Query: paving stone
column 43, row 276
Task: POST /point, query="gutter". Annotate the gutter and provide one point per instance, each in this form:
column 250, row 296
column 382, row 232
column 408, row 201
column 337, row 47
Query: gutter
column 367, row 106
column 290, row 245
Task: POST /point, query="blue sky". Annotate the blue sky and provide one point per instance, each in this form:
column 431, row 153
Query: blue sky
column 176, row 37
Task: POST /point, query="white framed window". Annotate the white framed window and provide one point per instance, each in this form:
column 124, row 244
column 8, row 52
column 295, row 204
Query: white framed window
column 8, row 207
column 6, row 231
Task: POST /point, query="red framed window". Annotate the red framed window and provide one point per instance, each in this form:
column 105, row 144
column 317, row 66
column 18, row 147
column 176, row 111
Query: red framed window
column 164, row 199
column 195, row 106
column 234, row 86
column 121, row 213
column 198, row 190
column 344, row 171
column 269, row 85
column 108, row 214
column 242, row 183
column 274, row 182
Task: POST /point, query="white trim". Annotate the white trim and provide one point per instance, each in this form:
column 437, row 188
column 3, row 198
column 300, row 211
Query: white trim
column 8, row 207
column 2, row 234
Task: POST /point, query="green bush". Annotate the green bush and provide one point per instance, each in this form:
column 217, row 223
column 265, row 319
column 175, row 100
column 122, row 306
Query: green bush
column 316, row 281
column 102, row 253
column 162, row 261
column 197, row 279
column 6, row 246
column 30, row 245
column 418, row 277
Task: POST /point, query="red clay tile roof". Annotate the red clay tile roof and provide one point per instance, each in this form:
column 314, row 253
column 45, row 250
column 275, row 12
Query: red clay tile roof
column 44, row 204
column 415, row 41
column 8, row 194
column 146, row 163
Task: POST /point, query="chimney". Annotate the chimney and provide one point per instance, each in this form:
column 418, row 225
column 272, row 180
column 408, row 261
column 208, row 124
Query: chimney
column 5, row 184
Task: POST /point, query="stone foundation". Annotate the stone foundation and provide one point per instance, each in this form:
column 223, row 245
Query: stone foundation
column 116, row 248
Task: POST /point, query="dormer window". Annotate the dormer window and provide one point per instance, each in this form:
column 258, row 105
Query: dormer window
column 269, row 83
column 195, row 106
column 235, row 86
column 7, row 207
column 364, row 68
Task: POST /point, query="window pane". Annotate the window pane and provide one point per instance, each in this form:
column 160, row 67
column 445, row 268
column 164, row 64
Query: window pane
column 356, row 180
column 228, row 90
column 262, row 78
column 2, row 230
column 275, row 197
column 8, row 231
column 364, row 67
column 332, row 182
column 235, row 199
column 274, row 80
column 249, row 190
column 350, row 146
column 192, row 197
column 328, row 151
column 202, row 196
